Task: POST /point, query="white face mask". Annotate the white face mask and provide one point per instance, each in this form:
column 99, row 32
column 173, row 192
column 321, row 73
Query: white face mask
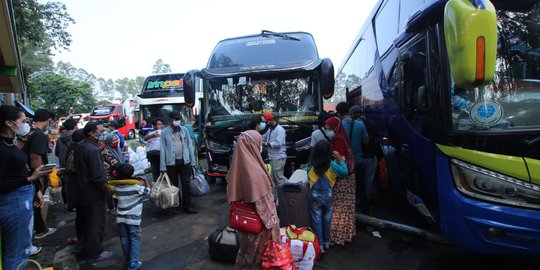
column 177, row 123
column 22, row 129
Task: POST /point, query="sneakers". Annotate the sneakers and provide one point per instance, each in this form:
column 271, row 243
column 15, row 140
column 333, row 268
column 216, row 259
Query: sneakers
column 44, row 234
column 134, row 265
column 34, row 250
column 103, row 256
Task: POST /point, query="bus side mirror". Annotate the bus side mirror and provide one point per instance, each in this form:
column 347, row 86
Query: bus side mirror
column 190, row 83
column 327, row 82
column 471, row 41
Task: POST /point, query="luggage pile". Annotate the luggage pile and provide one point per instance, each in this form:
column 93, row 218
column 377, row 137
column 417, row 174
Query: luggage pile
column 138, row 160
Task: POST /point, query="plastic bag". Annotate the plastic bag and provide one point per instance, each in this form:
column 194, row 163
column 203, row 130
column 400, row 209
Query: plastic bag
column 277, row 256
column 198, row 185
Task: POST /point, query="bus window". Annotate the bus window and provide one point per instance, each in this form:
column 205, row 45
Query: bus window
column 407, row 8
column 415, row 91
column 386, row 25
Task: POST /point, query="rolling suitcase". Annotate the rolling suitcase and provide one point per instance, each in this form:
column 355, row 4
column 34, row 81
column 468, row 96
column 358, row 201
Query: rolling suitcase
column 293, row 204
column 223, row 245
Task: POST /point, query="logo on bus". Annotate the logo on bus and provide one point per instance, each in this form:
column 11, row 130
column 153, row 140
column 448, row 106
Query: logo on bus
column 165, row 84
column 486, row 113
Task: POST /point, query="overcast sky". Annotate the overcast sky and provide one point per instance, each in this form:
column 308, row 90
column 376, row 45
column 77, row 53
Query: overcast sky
column 124, row 38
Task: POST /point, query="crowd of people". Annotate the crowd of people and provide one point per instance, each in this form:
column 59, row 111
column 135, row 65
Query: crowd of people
column 340, row 172
column 90, row 158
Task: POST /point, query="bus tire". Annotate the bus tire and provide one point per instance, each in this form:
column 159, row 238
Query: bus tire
column 131, row 134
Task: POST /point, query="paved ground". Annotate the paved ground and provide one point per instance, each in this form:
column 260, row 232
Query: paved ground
column 179, row 241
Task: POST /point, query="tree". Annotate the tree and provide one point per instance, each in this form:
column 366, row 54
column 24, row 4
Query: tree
column 41, row 29
column 59, row 93
column 161, row 67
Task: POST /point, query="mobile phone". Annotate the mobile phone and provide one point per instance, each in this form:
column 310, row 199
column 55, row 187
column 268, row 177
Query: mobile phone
column 48, row 166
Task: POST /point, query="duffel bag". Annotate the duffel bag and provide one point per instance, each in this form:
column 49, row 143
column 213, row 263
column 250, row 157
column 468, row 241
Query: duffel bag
column 198, row 185
column 223, row 245
column 164, row 194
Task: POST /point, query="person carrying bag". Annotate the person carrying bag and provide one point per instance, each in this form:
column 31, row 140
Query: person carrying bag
column 164, row 194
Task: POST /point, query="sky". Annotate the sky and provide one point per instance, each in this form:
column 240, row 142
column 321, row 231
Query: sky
column 115, row 39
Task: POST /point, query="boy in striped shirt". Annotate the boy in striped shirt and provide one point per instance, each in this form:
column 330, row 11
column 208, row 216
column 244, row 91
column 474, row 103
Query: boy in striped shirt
column 129, row 214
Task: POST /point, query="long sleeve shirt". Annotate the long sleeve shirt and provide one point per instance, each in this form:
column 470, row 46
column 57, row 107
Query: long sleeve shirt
column 91, row 174
column 168, row 149
column 276, row 139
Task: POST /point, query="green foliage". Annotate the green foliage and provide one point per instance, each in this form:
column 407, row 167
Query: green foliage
column 59, row 93
column 161, row 67
column 103, row 102
column 41, row 29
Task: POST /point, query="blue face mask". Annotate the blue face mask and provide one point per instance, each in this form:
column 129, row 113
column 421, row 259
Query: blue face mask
column 262, row 126
column 330, row 134
column 102, row 137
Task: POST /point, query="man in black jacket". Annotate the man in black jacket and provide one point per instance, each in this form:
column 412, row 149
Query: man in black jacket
column 92, row 191
column 60, row 150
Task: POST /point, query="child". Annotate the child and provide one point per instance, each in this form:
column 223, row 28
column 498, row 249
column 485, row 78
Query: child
column 322, row 174
column 129, row 214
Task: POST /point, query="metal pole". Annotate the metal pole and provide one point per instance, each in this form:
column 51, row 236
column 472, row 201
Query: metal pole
column 385, row 224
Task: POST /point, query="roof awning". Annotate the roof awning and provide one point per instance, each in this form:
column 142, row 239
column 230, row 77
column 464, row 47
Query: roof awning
column 27, row 111
column 10, row 65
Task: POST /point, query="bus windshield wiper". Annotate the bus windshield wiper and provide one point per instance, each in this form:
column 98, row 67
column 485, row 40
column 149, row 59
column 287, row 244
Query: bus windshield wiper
column 531, row 142
column 283, row 36
column 294, row 123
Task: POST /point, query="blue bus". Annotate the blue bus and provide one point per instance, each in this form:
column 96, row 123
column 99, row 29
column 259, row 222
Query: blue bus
column 453, row 87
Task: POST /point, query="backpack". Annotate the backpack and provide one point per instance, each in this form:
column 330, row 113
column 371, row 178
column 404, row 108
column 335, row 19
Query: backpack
column 70, row 161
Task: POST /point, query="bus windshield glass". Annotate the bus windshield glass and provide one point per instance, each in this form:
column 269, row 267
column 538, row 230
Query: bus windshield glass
column 102, row 110
column 164, row 83
column 233, row 98
column 263, row 51
column 512, row 100
column 155, row 111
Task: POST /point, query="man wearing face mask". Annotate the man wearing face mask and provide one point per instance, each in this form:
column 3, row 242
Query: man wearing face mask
column 177, row 157
column 274, row 139
column 37, row 149
column 92, row 192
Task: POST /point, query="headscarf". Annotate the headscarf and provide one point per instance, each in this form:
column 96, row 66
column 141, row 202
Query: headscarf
column 115, row 151
column 340, row 142
column 248, row 180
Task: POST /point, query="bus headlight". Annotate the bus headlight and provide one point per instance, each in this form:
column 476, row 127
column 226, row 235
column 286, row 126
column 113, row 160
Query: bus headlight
column 491, row 186
column 217, row 147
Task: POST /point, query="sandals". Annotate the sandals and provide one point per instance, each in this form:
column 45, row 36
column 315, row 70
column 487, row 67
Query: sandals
column 103, row 256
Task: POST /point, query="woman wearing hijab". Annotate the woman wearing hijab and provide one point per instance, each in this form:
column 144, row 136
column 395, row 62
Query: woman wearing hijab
column 249, row 182
column 343, row 226
column 112, row 157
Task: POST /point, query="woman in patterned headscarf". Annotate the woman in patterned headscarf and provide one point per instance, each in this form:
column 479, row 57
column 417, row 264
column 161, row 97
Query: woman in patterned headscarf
column 249, row 182
column 343, row 227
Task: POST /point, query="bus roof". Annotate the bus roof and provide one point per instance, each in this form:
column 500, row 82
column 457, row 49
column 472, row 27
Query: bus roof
column 265, row 52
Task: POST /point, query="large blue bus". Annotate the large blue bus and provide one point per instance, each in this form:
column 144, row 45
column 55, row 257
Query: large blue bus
column 247, row 76
column 453, row 87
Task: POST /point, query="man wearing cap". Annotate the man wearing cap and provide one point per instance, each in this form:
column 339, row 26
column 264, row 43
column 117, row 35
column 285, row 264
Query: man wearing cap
column 274, row 139
column 37, row 149
column 177, row 157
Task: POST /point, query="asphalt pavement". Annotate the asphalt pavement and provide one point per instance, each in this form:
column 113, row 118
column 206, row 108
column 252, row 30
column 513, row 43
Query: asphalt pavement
column 179, row 241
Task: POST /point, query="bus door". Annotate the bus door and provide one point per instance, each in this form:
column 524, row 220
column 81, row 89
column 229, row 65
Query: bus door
column 414, row 149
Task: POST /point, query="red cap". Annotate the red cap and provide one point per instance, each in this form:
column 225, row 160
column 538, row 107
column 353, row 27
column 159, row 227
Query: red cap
column 268, row 116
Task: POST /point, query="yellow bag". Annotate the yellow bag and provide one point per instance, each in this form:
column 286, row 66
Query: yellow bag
column 54, row 180
column 303, row 234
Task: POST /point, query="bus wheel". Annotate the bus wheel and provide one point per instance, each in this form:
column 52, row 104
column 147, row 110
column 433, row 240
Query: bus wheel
column 131, row 134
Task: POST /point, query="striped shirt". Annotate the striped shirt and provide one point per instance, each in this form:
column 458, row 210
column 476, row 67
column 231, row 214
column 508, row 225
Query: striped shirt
column 130, row 203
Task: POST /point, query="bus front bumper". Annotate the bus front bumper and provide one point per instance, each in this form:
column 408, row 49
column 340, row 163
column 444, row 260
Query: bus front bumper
column 484, row 227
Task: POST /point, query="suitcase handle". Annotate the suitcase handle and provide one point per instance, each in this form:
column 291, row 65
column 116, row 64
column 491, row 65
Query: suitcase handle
column 292, row 187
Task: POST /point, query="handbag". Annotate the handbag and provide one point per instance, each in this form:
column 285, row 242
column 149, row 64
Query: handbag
column 164, row 194
column 223, row 245
column 349, row 155
column 243, row 217
column 277, row 256
column 198, row 185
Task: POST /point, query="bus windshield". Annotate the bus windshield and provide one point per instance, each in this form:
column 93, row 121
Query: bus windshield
column 512, row 100
column 155, row 111
column 233, row 98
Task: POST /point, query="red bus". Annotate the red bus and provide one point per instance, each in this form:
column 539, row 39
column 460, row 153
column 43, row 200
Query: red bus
column 116, row 112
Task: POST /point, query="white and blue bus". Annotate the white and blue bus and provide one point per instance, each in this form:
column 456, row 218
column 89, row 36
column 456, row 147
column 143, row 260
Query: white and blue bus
column 453, row 87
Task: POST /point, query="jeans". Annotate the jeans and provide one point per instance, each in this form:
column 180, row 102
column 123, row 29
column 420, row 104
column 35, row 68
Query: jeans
column 16, row 225
column 321, row 210
column 130, row 239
